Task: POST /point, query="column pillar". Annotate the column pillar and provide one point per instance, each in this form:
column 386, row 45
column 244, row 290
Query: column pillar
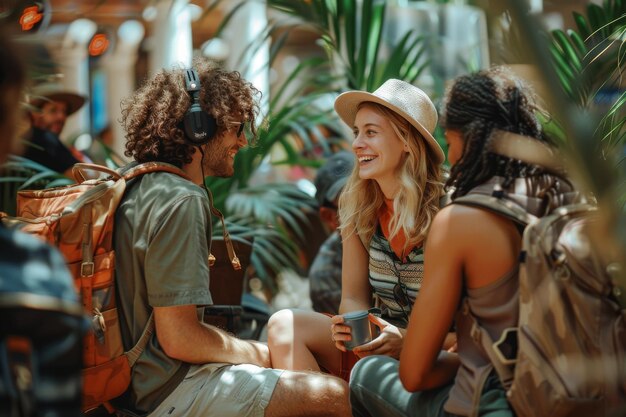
column 120, row 70
column 171, row 40
column 73, row 62
column 246, row 27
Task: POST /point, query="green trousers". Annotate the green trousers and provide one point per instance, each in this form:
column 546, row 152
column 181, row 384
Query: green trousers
column 376, row 391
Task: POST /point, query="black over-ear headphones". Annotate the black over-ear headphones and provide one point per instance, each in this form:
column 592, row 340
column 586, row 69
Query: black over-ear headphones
column 199, row 126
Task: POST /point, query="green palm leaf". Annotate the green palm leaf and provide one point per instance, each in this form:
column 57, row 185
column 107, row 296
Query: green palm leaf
column 352, row 33
column 19, row 173
column 590, row 60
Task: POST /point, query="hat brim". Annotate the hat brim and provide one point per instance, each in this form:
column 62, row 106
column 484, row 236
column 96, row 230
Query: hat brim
column 73, row 101
column 347, row 105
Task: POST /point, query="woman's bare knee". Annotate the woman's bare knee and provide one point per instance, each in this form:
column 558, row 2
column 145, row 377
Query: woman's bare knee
column 296, row 327
column 280, row 327
column 301, row 340
column 287, row 344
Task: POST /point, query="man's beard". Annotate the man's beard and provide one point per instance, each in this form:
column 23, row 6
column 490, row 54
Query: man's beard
column 216, row 159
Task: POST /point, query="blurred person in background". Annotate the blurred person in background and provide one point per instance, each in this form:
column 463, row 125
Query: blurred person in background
column 55, row 104
column 325, row 271
column 51, row 105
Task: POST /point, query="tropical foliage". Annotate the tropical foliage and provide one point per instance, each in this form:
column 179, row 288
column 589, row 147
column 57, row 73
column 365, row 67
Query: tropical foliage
column 352, row 33
column 590, row 62
column 22, row 174
column 587, row 63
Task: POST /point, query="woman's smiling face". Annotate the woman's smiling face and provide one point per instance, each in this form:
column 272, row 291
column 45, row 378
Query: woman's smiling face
column 378, row 149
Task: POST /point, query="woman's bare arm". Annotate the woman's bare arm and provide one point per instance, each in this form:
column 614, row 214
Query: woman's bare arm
column 356, row 292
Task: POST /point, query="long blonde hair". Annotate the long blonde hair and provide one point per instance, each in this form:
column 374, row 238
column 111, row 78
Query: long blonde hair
column 416, row 202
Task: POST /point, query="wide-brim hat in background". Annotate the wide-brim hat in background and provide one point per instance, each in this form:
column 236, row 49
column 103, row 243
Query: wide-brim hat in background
column 47, row 92
column 401, row 97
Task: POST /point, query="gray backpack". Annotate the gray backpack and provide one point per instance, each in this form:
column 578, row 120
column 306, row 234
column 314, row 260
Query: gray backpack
column 567, row 356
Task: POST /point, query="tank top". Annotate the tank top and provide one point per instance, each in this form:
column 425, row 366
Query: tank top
column 497, row 305
column 386, row 270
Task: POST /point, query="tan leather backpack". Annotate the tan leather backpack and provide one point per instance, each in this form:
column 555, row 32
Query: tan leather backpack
column 78, row 219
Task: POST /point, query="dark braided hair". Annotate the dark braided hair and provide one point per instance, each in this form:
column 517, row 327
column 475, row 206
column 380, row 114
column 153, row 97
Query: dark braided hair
column 475, row 105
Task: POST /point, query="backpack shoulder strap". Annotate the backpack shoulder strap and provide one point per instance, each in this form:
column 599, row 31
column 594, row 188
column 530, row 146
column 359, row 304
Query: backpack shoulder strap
column 78, row 171
column 497, row 205
column 127, row 172
column 148, row 167
column 136, row 351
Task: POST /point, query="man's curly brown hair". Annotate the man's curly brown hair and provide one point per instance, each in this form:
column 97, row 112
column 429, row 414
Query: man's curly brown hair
column 152, row 116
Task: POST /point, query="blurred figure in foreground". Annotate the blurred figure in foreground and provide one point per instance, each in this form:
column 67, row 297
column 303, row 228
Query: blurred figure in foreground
column 42, row 322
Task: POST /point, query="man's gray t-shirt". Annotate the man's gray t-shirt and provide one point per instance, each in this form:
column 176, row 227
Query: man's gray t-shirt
column 162, row 240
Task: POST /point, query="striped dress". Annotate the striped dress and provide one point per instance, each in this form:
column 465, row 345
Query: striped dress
column 386, row 270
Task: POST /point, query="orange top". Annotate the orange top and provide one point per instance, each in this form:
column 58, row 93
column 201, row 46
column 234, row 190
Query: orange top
column 398, row 241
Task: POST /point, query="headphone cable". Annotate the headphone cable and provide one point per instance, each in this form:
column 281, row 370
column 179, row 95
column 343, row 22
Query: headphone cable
column 234, row 260
column 202, row 169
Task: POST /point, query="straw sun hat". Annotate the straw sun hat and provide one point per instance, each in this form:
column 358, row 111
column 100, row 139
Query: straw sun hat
column 47, row 92
column 401, row 97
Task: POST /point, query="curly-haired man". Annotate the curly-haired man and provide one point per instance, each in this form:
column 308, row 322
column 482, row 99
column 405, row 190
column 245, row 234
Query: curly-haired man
column 162, row 239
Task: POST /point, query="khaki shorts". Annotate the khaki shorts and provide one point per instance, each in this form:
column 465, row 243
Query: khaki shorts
column 221, row 390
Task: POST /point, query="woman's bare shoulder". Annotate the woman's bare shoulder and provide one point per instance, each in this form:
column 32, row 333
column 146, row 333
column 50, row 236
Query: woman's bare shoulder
column 485, row 243
column 462, row 221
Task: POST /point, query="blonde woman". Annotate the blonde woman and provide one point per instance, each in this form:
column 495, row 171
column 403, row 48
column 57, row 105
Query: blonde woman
column 385, row 210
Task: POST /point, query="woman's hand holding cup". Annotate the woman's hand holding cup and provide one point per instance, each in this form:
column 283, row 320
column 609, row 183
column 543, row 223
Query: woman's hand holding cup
column 388, row 342
column 350, row 330
column 339, row 332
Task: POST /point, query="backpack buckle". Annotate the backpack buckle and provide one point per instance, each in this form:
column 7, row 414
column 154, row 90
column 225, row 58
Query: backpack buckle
column 86, row 269
column 505, row 347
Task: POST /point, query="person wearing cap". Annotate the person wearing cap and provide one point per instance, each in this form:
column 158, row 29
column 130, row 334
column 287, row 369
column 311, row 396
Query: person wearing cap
column 385, row 210
column 51, row 107
column 325, row 271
